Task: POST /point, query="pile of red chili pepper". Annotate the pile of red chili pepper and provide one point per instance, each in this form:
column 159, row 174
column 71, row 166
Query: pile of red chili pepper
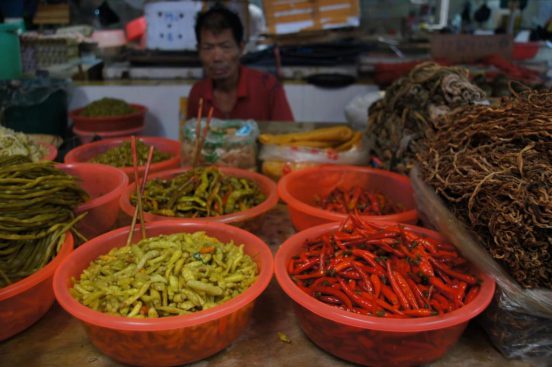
column 357, row 200
column 386, row 271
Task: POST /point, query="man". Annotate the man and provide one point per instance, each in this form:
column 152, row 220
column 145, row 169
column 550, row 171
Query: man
column 233, row 90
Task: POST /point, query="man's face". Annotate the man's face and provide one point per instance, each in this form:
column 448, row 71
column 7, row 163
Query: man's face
column 219, row 54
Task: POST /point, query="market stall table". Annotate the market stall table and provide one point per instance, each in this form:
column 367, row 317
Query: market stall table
column 59, row 340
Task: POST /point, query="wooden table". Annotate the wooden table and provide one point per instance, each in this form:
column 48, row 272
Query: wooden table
column 60, row 340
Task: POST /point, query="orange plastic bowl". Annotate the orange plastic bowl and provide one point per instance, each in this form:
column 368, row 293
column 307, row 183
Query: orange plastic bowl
column 165, row 341
column 267, row 186
column 104, row 184
column 86, row 152
column 369, row 340
column 109, row 123
column 24, row 302
column 299, row 190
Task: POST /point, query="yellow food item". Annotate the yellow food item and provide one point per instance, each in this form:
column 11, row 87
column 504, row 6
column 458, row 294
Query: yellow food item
column 325, row 134
column 355, row 139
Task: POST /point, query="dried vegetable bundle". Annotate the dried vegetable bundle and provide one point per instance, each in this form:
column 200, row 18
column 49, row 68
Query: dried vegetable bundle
column 492, row 166
column 410, row 109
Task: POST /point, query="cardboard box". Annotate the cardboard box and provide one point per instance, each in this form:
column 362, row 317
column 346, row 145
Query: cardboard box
column 292, row 16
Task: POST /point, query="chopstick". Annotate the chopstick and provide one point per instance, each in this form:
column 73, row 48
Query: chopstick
column 195, row 151
column 200, row 138
column 138, row 210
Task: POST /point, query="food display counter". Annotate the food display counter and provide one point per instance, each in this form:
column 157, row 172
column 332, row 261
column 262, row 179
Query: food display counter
column 60, row 340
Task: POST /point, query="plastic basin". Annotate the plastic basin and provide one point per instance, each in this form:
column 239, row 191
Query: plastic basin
column 51, row 152
column 109, row 123
column 267, row 186
column 105, row 185
column 86, row 152
column 375, row 341
column 165, row 341
column 87, row 136
column 299, row 190
column 24, row 302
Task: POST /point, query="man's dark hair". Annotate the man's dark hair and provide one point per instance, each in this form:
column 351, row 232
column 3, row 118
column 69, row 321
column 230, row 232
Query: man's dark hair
column 218, row 18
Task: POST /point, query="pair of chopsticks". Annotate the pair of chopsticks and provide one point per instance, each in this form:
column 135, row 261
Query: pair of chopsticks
column 139, row 210
column 200, row 137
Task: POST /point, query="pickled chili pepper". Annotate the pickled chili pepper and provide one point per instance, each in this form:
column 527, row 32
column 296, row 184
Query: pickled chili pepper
column 357, row 200
column 384, row 271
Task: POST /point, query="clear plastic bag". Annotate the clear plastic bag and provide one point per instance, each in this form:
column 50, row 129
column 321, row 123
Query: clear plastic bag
column 281, row 159
column 228, row 143
column 518, row 321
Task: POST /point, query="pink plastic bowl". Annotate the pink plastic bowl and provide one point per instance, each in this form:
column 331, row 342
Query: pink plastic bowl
column 267, row 186
column 87, row 136
column 299, row 190
column 165, row 341
column 104, row 184
column 24, row 302
column 369, row 340
column 86, row 152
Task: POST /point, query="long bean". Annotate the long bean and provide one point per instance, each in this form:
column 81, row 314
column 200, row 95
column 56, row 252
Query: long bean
column 37, row 203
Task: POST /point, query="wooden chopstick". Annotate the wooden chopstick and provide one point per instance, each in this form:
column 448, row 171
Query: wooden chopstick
column 200, row 138
column 195, row 151
column 138, row 210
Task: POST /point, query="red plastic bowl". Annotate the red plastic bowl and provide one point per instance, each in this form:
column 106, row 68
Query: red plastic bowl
column 104, row 184
column 109, row 123
column 51, row 152
column 86, row 152
column 267, row 186
column 299, row 190
column 24, row 302
column 369, row 340
column 165, row 341
column 87, row 136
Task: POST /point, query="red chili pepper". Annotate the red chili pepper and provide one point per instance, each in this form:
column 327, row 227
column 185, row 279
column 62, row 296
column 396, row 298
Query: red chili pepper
column 330, row 299
column 438, row 283
column 320, row 281
column 376, row 282
column 306, row 265
column 445, row 269
column 317, row 274
column 338, row 294
column 417, row 293
column 436, row 305
column 406, row 290
column 445, row 304
column 472, row 293
column 365, row 284
column 369, row 257
column 291, row 266
column 356, row 298
column 388, row 307
column 390, row 295
column 396, row 288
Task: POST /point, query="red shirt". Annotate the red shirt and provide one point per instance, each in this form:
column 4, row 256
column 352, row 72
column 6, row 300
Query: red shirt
column 259, row 97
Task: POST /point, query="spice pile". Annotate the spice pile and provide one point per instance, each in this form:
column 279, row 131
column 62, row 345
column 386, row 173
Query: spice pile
column 492, row 166
column 410, row 109
column 385, row 271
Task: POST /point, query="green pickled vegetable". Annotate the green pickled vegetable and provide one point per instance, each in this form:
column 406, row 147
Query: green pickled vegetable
column 167, row 275
column 121, row 156
column 37, row 203
column 200, row 192
column 16, row 143
column 107, row 107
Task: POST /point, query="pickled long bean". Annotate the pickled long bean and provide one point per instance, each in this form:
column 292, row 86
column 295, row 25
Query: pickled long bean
column 37, row 203
column 121, row 155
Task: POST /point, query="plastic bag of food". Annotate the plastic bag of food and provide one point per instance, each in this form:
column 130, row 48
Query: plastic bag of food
column 228, row 143
column 281, row 159
column 518, row 321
